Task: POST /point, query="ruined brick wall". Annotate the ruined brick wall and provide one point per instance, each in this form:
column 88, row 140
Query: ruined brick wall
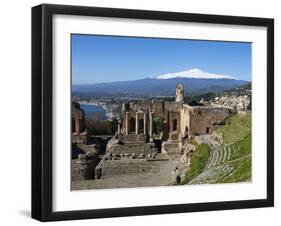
column 175, row 125
column 142, row 105
column 158, row 106
column 183, row 120
column 205, row 120
column 172, row 106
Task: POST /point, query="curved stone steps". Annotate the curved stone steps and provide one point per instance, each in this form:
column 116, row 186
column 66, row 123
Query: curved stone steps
column 216, row 167
column 211, row 175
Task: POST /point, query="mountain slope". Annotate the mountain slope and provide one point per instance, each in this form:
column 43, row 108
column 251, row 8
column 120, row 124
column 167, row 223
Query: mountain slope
column 165, row 87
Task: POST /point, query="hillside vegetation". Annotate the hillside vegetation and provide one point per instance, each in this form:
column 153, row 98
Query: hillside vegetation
column 236, row 128
column 198, row 161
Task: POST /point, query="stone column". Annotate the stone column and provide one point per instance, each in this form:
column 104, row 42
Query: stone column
column 127, row 123
column 170, row 125
column 77, row 125
column 118, row 126
column 137, row 123
column 144, row 123
column 150, row 127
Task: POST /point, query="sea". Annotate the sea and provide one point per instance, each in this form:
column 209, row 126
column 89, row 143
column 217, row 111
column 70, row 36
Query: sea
column 94, row 110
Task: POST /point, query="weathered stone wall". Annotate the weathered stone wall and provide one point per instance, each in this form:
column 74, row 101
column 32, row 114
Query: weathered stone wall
column 206, row 119
column 158, row 106
column 137, row 148
column 172, row 106
column 170, row 148
column 144, row 106
column 83, row 170
column 181, row 120
column 139, row 138
column 80, row 138
column 77, row 118
column 185, row 120
column 174, row 124
column 109, row 168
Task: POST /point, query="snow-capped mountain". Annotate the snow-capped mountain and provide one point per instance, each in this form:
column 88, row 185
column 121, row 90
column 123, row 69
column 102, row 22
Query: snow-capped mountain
column 163, row 85
column 194, row 73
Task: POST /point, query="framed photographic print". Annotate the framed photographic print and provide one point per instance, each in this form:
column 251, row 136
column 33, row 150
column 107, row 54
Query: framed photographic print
column 145, row 112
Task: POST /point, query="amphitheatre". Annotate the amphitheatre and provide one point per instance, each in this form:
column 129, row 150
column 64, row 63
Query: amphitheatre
column 154, row 145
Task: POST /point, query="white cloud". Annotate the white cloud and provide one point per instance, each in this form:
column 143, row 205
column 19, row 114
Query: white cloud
column 194, row 73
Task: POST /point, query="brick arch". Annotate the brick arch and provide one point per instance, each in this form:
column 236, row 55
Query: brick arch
column 162, row 115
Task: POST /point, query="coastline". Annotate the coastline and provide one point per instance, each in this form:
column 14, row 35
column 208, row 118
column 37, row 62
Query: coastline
column 108, row 114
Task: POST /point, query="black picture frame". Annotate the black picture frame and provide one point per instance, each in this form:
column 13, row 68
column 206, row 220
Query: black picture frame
column 42, row 111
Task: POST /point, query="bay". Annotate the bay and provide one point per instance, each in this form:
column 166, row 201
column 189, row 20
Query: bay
column 94, row 110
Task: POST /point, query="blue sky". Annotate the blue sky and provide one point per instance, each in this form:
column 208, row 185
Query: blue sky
column 98, row 59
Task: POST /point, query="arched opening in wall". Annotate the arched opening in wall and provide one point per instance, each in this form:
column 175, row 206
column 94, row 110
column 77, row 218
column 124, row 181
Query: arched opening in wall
column 132, row 124
column 207, row 130
column 157, row 125
column 160, row 131
column 175, row 122
column 141, row 125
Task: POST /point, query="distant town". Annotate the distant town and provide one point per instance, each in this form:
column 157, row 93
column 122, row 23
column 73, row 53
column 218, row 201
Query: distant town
column 238, row 98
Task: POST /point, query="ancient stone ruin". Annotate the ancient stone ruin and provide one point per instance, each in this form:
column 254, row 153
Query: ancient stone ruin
column 149, row 134
column 79, row 132
column 179, row 121
column 138, row 138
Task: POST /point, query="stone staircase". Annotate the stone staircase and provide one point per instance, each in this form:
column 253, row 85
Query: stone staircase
column 218, row 166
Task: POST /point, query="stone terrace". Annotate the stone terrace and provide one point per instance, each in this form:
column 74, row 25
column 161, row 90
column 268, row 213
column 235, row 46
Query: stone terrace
column 219, row 163
column 163, row 177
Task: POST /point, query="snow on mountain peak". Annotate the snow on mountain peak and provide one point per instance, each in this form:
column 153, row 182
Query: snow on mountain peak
column 194, row 73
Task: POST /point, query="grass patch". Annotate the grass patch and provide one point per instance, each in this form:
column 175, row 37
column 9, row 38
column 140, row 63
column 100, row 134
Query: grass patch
column 198, row 161
column 242, row 147
column 242, row 171
column 237, row 127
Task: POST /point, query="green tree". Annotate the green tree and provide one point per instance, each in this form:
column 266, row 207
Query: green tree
column 158, row 124
column 112, row 126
